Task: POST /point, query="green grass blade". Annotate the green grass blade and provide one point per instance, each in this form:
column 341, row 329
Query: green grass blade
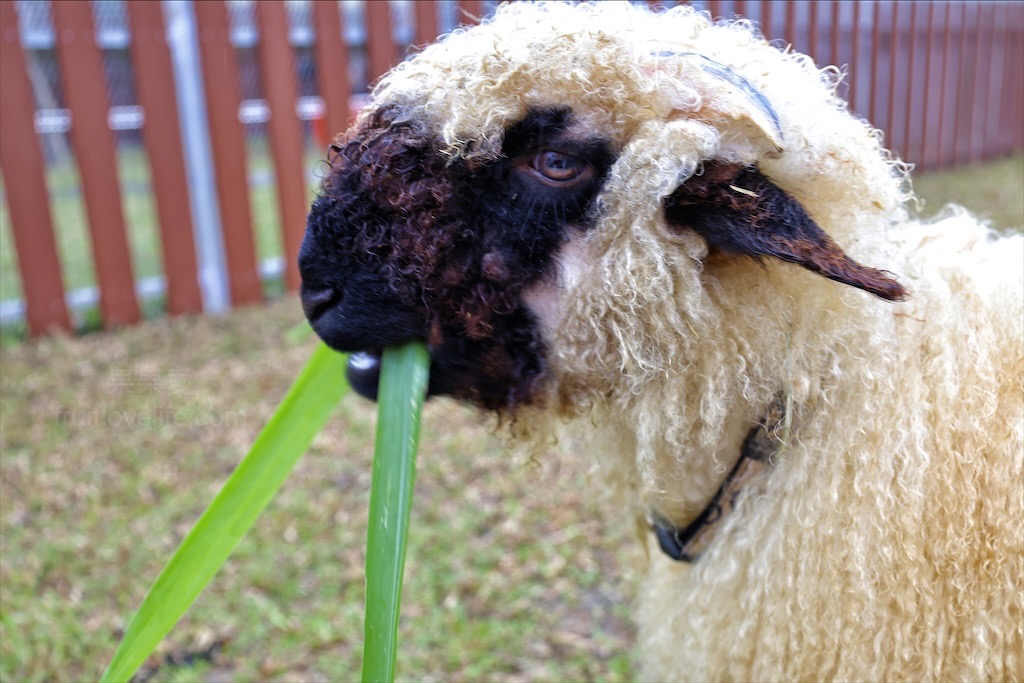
column 299, row 417
column 403, row 385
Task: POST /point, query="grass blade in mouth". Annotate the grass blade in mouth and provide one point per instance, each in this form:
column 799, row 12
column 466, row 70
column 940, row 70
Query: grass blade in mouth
column 403, row 385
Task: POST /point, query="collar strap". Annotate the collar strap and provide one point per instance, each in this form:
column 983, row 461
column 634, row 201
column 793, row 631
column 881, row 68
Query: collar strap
column 686, row 544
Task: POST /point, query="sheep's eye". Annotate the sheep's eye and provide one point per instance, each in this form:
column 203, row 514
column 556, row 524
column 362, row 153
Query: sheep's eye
column 558, row 168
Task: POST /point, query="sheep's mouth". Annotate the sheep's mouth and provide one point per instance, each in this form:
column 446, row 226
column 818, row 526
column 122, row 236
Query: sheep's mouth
column 499, row 372
column 363, row 373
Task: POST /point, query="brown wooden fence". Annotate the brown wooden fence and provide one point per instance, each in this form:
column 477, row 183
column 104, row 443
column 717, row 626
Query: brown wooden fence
column 942, row 79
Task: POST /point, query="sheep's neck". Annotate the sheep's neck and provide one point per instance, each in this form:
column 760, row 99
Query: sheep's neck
column 762, row 442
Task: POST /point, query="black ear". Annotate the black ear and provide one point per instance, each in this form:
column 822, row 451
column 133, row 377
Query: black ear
column 739, row 211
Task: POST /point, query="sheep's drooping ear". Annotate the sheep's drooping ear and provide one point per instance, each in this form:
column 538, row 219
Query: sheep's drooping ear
column 739, row 211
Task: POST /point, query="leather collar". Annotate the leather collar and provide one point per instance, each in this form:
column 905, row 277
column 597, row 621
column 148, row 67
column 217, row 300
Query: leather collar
column 761, row 443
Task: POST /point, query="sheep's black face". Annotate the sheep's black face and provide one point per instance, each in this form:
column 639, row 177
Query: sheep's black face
column 401, row 245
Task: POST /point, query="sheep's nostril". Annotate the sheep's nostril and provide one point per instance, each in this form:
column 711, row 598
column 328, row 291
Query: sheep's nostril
column 315, row 302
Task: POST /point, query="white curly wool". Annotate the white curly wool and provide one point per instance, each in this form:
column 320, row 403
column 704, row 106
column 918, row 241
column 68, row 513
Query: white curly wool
column 887, row 541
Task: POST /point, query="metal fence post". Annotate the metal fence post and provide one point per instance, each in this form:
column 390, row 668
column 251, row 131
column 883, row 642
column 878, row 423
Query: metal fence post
column 183, row 40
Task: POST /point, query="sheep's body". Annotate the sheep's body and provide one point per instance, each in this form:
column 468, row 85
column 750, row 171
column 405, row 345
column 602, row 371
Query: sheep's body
column 887, row 541
column 886, row 544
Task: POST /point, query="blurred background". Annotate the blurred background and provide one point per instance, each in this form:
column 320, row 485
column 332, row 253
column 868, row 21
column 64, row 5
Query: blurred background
column 157, row 161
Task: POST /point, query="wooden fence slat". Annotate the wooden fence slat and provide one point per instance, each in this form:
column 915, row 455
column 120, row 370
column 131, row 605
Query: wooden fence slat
column 993, row 87
column 874, row 79
column 715, row 8
column 1011, row 66
column 906, row 151
column 894, row 54
column 82, row 76
column 791, row 23
column 21, row 162
column 277, row 63
column 834, row 16
column 470, row 12
column 962, row 80
column 958, row 84
column 811, row 46
column 996, row 133
column 925, row 138
column 227, row 141
column 988, row 134
column 940, row 161
column 426, row 22
column 332, row 66
column 855, row 66
column 1014, row 120
column 767, row 26
column 975, row 72
column 161, row 133
column 979, row 80
column 381, row 54
column 1011, row 25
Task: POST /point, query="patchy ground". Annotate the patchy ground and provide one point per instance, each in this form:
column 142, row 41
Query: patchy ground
column 113, row 444
column 993, row 190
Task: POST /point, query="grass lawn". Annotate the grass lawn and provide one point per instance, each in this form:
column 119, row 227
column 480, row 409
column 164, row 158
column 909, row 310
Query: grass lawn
column 113, row 443
column 992, row 190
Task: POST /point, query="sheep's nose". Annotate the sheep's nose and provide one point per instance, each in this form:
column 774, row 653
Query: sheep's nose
column 316, row 301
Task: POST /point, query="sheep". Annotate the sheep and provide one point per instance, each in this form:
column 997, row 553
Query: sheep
column 648, row 232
